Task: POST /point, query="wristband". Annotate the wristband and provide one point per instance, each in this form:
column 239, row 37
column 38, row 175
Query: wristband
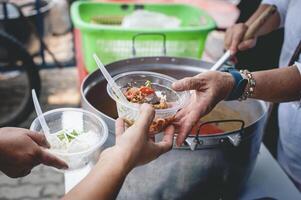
column 239, row 85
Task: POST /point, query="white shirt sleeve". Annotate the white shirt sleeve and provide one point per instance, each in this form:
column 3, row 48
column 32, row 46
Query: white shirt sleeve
column 281, row 8
column 298, row 66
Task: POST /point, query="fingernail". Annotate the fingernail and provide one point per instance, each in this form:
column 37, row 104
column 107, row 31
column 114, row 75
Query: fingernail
column 48, row 144
column 173, row 84
column 176, row 86
column 65, row 167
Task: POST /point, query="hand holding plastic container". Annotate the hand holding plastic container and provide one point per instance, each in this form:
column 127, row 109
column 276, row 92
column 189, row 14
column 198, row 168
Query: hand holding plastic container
column 148, row 87
column 75, row 135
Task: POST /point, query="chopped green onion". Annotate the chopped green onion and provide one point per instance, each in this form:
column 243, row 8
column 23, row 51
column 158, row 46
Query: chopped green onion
column 148, row 83
column 67, row 136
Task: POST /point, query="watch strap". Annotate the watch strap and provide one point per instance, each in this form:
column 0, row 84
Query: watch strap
column 239, row 85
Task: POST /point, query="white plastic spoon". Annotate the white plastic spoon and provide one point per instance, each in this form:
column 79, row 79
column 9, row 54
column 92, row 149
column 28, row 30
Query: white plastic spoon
column 41, row 118
column 110, row 80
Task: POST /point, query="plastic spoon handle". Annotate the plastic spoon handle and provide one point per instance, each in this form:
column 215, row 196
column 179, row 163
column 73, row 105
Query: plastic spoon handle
column 110, row 80
column 41, row 118
column 221, row 61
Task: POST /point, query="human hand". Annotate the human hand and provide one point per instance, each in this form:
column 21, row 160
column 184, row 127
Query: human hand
column 135, row 144
column 234, row 36
column 209, row 88
column 21, row 150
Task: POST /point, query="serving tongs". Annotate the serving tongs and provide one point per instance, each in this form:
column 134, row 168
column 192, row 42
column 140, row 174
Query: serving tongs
column 251, row 32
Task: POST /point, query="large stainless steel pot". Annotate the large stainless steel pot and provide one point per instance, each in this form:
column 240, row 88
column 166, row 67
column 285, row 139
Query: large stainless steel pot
column 217, row 168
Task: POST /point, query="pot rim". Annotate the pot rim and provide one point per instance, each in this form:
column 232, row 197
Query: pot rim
column 264, row 105
column 158, row 111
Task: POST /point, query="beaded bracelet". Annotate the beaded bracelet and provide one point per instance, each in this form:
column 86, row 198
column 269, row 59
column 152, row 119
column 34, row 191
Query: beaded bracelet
column 249, row 90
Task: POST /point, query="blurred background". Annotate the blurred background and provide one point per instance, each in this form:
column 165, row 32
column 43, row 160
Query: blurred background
column 41, row 49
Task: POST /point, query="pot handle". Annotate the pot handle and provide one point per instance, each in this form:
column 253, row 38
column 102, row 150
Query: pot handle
column 134, row 51
column 234, row 138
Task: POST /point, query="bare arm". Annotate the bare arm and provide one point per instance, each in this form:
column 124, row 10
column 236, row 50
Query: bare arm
column 270, row 25
column 133, row 147
column 105, row 179
column 235, row 34
column 277, row 85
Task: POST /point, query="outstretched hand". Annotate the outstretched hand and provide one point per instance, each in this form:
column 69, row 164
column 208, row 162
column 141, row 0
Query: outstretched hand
column 137, row 143
column 208, row 89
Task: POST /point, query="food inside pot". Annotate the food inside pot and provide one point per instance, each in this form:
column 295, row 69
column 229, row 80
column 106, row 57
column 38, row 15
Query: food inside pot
column 221, row 112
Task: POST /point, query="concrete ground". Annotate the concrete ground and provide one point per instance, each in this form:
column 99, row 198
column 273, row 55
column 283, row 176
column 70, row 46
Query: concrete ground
column 59, row 89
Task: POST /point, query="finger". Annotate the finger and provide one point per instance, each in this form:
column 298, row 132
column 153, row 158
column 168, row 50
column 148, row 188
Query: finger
column 151, row 138
column 38, row 138
column 247, row 44
column 187, row 109
column 236, row 39
column 191, row 83
column 51, row 160
column 166, row 144
column 228, row 38
column 25, row 172
column 20, row 174
column 183, row 132
column 147, row 114
column 187, row 124
column 119, row 127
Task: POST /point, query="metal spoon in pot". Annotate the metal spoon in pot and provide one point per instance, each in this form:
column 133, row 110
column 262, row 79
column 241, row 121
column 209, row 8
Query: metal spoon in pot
column 269, row 11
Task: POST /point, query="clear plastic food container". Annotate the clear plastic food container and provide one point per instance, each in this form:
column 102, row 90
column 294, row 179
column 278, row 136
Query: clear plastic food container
column 76, row 137
column 160, row 82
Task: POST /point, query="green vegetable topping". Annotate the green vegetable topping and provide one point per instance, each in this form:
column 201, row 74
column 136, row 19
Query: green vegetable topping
column 66, row 135
column 148, row 83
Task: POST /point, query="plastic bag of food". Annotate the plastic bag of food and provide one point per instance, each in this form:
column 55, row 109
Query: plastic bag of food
column 148, row 19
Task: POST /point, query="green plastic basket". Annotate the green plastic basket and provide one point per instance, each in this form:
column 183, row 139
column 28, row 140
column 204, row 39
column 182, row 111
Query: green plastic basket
column 112, row 42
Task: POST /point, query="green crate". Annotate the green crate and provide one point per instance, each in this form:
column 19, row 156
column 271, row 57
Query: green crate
column 113, row 43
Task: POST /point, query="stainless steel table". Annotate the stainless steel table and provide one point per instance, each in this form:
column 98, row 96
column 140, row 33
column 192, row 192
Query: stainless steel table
column 267, row 180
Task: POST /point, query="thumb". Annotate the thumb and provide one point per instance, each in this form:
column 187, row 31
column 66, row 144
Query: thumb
column 191, row 83
column 119, row 127
column 166, row 144
column 247, row 44
column 147, row 114
column 51, row 160
column 38, row 138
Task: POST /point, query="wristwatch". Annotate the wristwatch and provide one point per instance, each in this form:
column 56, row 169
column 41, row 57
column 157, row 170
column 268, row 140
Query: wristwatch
column 239, row 85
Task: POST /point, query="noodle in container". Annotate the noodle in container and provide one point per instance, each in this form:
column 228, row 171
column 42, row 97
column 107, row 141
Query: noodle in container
column 76, row 135
column 160, row 84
